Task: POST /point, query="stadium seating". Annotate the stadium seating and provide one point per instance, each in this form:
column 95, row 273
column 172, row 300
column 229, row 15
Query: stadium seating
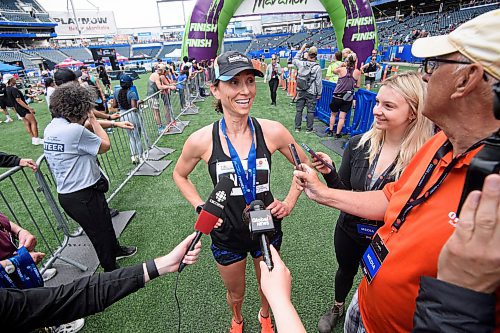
column 55, row 56
column 151, row 51
column 167, row 49
column 78, row 53
column 17, row 56
column 240, row 46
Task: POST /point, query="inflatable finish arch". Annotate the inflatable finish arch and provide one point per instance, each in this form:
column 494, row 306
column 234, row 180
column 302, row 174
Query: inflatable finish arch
column 352, row 20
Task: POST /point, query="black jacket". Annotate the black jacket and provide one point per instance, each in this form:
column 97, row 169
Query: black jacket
column 443, row 307
column 25, row 310
column 352, row 176
column 8, row 161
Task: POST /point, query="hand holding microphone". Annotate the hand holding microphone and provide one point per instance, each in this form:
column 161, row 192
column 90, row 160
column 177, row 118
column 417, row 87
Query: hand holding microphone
column 261, row 224
column 210, row 213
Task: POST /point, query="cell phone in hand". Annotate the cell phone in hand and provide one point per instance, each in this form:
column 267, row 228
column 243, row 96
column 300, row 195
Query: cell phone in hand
column 313, row 154
column 295, row 155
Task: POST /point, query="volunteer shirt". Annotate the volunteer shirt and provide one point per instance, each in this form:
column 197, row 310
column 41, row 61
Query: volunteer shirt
column 388, row 303
column 71, row 151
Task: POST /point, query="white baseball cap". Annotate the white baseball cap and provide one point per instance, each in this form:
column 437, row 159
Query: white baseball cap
column 477, row 39
column 7, row 77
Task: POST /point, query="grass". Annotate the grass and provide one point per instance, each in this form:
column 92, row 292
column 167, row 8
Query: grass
column 164, row 218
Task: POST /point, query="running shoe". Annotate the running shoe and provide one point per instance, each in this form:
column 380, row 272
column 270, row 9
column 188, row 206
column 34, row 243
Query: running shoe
column 236, row 327
column 73, row 327
column 266, row 325
column 125, row 252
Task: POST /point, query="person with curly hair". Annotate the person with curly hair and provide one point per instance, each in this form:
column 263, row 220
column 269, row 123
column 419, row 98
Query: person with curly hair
column 71, row 152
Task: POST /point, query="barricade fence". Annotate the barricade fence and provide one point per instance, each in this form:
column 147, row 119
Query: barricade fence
column 30, row 199
column 357, row 121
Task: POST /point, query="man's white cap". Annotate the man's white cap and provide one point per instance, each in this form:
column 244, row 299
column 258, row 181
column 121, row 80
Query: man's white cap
column 7, row 77
column 477, row 39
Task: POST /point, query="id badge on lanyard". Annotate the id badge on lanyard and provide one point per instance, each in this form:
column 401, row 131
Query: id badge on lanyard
column 373, row 258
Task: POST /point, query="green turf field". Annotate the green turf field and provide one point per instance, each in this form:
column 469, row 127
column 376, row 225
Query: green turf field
column 164, row 218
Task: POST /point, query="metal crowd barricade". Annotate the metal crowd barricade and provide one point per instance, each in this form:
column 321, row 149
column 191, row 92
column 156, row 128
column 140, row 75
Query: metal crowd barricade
column 197, row 84
column 187, row 105
column 31, row 205
column 358, row 122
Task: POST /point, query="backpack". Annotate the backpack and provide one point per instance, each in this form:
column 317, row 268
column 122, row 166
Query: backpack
column 304, row 77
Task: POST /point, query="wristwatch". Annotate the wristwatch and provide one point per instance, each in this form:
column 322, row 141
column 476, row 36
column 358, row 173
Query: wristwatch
column 199, row 208
column 9, row 267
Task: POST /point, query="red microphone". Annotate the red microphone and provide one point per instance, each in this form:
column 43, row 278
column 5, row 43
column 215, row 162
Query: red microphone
column 211, row 212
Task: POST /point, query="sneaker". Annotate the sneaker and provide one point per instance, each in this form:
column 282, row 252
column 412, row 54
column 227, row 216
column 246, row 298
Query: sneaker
column 9, row 120
column 297, row 130
column 113, row 212
column 161, row 129
column 49, row 274
column 338, row 136
column 35, row 142
column 125, row 252
column 309, row 131
column 329, row 133
column 40, row 141
column 236, row 327
column 330, row 319
column 266, row 325
column 73, row 327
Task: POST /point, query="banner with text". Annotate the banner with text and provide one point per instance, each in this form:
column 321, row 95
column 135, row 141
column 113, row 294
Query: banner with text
column 352, row 20
column 90, row 22
column 263, row 7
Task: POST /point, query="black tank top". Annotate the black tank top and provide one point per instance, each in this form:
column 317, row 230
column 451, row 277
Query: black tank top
column 233, row 234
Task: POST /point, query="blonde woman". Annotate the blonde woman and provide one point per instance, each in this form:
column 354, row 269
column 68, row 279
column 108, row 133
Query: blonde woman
column 370, row 161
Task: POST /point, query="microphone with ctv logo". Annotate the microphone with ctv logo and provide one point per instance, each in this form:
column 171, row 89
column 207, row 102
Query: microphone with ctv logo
column 261, row 223
column 211, row 212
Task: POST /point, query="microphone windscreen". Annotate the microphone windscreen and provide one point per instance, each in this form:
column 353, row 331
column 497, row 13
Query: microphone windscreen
column 214, row 206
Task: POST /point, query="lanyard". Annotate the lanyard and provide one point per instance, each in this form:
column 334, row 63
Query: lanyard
column 381, row 178
column 414, row 199
column 247, row 179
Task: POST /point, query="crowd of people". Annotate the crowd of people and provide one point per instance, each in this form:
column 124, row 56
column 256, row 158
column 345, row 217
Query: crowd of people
column 426, row 267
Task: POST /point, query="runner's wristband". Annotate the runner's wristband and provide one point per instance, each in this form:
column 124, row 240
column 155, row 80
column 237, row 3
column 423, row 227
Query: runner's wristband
column 152, row 270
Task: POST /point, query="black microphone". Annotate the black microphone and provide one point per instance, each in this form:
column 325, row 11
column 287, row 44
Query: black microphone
column 211, row 212
column 260, row 225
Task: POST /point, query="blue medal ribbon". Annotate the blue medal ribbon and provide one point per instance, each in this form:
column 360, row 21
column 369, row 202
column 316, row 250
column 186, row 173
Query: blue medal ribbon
column 247, row 180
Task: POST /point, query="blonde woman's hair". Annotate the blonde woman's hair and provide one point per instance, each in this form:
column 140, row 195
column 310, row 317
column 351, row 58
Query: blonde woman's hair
column 414, row 90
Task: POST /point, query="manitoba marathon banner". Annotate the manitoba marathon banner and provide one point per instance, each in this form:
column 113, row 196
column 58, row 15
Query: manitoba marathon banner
column 91, row 23
column 352, row 20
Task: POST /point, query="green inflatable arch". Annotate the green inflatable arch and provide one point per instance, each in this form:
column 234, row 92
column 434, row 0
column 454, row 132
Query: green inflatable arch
column 352, row 20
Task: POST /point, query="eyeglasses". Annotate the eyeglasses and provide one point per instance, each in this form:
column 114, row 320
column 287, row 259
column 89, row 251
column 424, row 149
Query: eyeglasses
column 431, row 64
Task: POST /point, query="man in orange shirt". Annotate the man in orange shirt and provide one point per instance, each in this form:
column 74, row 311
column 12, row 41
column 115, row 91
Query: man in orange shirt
column 460, row 69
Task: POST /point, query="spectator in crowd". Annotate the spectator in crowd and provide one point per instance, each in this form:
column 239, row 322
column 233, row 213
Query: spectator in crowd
column 370, row 70
column 50, row 86
column 371, row 161
column 88, row 79
column 460, row 69
column 65, row 75
column 343, row 95
column 71, row 151
column 222, row 146
column 154, row 85
column 5, row 102
column 125, row 99
column 273, row 72
column 337, row 62
column 9, row 161
column 309, row 86
column 375, row 54
column 26, row 310
column 22, row 108
column 103, row 76
column 181, row 85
